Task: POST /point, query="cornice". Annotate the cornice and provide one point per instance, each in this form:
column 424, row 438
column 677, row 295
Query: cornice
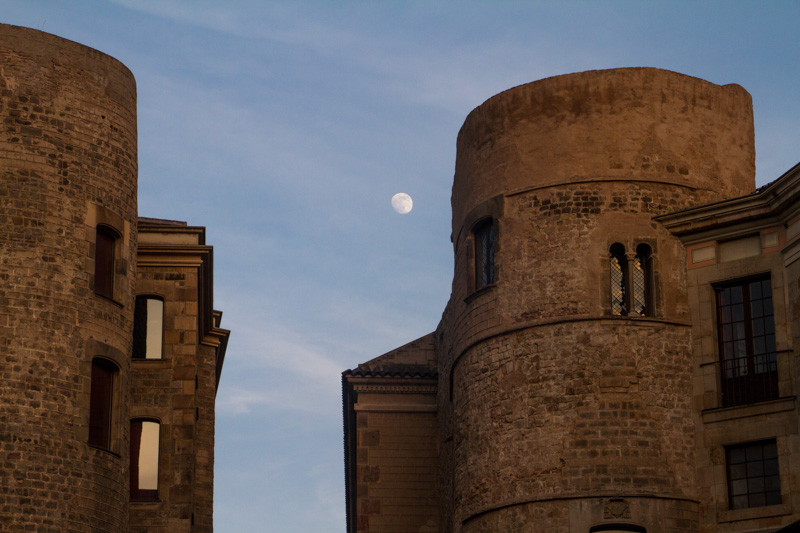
column 772, row 204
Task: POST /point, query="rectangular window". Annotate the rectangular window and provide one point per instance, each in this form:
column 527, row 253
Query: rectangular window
column 747, row 351
column 484, row 254
column 100, row 403
column 753, row 478
column 104, row 262
column 148, row 327
column 144, row 459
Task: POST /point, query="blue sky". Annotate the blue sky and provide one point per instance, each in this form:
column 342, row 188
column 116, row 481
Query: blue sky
column 286, row 127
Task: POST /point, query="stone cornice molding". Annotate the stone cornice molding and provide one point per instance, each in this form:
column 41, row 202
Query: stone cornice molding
column 773, row 204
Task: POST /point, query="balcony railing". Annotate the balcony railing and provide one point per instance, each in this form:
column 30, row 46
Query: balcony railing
column 749, row 380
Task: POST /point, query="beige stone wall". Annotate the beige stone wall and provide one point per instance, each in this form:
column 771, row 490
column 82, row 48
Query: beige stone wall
column 397, row 454
column 67, row 163
column 639, row 124
column 721, row 426
column 165, row 390
column 572, row 410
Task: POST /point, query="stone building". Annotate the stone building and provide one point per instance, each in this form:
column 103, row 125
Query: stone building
column 619, row 352
column 111, row 347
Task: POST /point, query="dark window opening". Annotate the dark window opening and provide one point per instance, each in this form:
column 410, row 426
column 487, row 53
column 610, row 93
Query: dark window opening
column 753, row 476
column 104, row 262
column 641, row 281
column 145, row 435
column 618, row 528
column 618, row 266
column 484, row 254
column 747, row 350
column 101, row 403
column 148, row 327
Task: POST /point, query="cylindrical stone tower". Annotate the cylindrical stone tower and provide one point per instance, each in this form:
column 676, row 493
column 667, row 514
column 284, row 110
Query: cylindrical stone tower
column 68, row 174
column 565, row 350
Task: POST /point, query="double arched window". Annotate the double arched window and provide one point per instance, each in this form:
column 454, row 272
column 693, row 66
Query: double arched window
column 631, row 277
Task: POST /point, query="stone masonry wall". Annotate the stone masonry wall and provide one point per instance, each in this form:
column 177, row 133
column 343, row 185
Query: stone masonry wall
column 166, row 389
column 67, row 163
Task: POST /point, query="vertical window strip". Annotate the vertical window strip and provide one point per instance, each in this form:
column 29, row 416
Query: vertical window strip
column 639, row 285
column 144, row 457
column 104, row 262
column 148, row 327
column 484, row 254
column 617, row 269
column 100, row 403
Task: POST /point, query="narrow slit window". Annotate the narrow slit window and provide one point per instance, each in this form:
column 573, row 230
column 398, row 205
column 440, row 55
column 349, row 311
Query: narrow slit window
column 148, row 327
column 101, row 403
column 144, row 454
column 618, row 266
column 484, row 254
column 105, row 243
column 641, row 281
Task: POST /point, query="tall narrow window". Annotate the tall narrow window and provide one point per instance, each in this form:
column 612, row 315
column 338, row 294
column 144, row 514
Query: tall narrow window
column 484, row 253
column 101, row 403
column 618, row 265
column 753, row 476
column 104, row 262
column 145, row 436
column 746, row 333
column 148, row 327
column 641, row 281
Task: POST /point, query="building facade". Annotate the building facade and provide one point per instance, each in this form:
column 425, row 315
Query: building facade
column 111, row 348
column 618, row 351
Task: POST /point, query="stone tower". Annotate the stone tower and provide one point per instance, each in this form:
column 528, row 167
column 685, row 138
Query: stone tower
column 68, row 175
column 564, row 354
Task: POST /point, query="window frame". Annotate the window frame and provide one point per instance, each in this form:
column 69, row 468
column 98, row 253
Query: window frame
column 632, row 292
column 484, row 264
column 748, row 385
column 105, row 257
column 730, row 480
column 137, row 494
column 102, row 392
column 141, row 338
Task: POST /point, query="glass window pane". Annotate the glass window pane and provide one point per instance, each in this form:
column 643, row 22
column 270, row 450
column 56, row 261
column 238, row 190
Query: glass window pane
column 148, row 456
column 155, row 328
column 100, row 408
column 755, row 290
column 736, row 294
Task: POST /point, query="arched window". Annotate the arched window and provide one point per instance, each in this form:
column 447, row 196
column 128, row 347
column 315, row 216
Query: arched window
column 148, row 327
column 145, row 436
column 105, row 243
column 101, row 400
column 618, row 265
column 641, row 281
column 484, row 253
column 631, row 281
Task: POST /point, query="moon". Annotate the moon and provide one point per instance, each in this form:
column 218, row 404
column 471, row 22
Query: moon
column 401, row 202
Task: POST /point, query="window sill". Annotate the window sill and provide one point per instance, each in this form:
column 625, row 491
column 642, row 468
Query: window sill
column 111, row 300
column 101, row 449
column 721, row 414
column 483, row 290
column 737, row 515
